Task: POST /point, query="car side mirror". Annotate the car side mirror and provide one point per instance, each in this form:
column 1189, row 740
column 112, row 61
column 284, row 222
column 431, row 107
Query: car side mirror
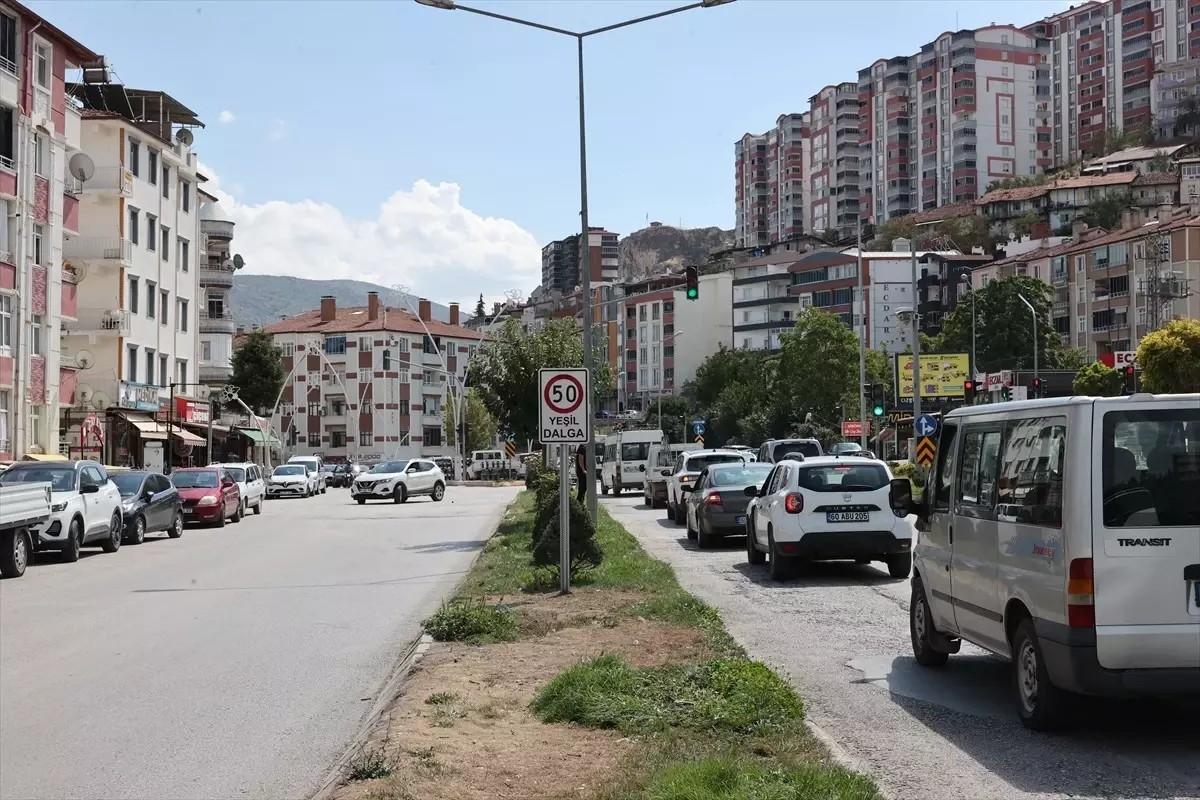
column 687, row 488
column 901, row 494
column 89, row 488
column 750, row 491
column 664, row 472
column 225, row 484
column 147, row 496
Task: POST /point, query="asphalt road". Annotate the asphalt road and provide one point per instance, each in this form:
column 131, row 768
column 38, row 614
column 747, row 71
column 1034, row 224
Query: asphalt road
column 840, row 633
column 230, row 663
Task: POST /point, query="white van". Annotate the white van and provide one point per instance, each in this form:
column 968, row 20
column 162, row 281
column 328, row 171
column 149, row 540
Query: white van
column 1064, row 536
column 625, row 459
column 316, row 466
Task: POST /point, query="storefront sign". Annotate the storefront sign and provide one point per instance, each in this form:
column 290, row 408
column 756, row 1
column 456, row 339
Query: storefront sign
column 139, row 396
column 195, row 412
column 1119, row 359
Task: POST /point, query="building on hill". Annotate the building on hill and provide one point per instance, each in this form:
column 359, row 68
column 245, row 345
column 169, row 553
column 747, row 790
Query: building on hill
column 370, row 382
column 561, row 268
column 771, row 183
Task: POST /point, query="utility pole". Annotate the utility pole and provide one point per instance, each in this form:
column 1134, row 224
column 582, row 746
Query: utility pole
column 862, row 346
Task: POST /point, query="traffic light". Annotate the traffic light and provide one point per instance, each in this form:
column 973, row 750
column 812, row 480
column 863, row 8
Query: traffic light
column 1035, row 388
column 878, row 406
column 387, row 360
column 1005, row 393
column 969, row 392
column 693, row 283
column 1130, row 379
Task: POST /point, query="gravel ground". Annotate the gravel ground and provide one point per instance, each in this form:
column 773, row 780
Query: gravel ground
column 840, row 633
column 231, row 663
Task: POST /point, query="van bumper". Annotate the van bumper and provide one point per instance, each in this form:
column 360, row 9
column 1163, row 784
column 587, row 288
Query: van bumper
column 1073, row 665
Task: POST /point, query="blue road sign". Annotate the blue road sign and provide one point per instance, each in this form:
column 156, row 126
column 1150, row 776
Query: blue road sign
column 926, row 425
column 699, row 427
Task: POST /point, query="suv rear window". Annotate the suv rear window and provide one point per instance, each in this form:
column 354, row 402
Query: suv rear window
column 698, row 463
column 806, row 449
column 843, row 478
column 1151, row 468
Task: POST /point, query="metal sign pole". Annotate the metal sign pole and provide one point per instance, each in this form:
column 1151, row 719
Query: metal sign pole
column 564, row 518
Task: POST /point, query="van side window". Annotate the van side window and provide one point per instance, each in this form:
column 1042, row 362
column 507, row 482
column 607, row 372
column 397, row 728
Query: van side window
column 977, row 476
column 1151, row 468
column 1031, row 472
column 944, row 477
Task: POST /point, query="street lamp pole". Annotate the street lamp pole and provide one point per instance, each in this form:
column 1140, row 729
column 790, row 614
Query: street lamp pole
column 974, row 361
column 916, row 336
column 1033, row 313
column 662, row 376
column 585, row 237
column 862, row 346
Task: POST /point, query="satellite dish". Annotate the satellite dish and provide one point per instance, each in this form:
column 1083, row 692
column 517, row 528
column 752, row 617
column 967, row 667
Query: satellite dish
column 238, row 261
column 81, row 167
column 76, row 267
column 84, row 393
column 101, row 401
column 84, row 359
column 184, row 136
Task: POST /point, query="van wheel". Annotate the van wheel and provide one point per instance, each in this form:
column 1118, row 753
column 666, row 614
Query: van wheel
column 899, row 566
column 920, row 629
column 603, row 488
column 1041, row 705
column 14, row 552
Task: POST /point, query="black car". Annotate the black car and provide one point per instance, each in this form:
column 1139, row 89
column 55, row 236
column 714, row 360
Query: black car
column 149, row 503
column 716, row 503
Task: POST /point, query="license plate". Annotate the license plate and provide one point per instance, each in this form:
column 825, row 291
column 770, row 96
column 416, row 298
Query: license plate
column 741, row 520
column 189, row 511
column 847, row 516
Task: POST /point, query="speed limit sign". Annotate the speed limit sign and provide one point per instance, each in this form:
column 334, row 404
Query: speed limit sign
column 563, row 400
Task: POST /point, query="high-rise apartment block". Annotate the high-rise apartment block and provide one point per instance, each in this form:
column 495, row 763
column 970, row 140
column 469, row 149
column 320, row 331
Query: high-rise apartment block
column 834, row 180
column 561, row 262
column 771, row 180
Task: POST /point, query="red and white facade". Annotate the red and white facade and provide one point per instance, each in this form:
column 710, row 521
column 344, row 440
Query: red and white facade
column 834, row 178
column 39, row 131
column 771, row 183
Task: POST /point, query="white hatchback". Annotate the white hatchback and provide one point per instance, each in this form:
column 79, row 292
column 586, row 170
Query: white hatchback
column 248, row 476
column 827, row 508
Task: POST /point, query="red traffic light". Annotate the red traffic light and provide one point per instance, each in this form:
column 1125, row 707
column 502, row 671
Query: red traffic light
column 969, row 386
column 1128, row 371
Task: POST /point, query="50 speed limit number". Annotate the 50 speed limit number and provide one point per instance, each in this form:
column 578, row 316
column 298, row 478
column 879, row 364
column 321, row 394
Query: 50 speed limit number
column 563, row 400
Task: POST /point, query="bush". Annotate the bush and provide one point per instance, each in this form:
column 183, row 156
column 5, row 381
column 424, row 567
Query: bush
column 472, row 621
column 585, row 552
column 534, row 468
column 907, row 469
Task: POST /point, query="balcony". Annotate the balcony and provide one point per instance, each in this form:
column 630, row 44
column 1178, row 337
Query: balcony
column 110, row 181
column 217, row 322
column 99, row 322
column 90, row 249
column 215, row 275
column 1059, row 279
column 215, row 373
column 217, row 228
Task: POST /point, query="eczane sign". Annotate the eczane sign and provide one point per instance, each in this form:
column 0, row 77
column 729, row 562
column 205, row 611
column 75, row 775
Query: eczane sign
column 564, row 404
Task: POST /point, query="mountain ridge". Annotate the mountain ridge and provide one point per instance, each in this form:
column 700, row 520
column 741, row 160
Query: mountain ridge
column 264, row 299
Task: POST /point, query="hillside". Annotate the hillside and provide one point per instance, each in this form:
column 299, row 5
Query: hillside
column 263, row 299
column 667, row 247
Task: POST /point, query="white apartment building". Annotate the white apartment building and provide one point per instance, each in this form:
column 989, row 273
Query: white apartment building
column 215, row 278
column 369, row 383
column 136, row 260
column 771, row 185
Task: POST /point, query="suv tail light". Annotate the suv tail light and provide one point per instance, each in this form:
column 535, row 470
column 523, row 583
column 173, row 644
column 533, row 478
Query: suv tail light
column 714, row 499
column 793, row 503
column 1081, row 591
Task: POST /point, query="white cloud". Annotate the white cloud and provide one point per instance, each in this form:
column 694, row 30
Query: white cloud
column 422, row 238
column 278, row 131
column 226, row 117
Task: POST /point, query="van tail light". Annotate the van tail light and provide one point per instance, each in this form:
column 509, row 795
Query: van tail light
column 793, row 503
column 1081, row 594
column 714, row 499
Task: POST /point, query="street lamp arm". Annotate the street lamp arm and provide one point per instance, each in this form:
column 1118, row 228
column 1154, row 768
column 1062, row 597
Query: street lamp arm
column 639, row 20
column 519, row 21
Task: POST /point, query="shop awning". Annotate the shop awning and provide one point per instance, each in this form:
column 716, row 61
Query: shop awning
column 257, row 436
column 202, row 428
column 187, row 437
column 147, row 428
column 44, row 457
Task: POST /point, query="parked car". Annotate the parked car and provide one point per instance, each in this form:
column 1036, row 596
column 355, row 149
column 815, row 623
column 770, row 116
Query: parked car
column 85, row 506
column 249, row 479
column 399, row 480
column 149, row 502
column 291, row 480
column 22, row 506
column 773, row 451
column 446, row 465
column 210, row 495
column 827, row 508
column 315, row 466
column 686, row 469
column 715, row 506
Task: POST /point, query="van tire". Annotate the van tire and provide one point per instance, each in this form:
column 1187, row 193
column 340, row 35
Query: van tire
column 1041, row 705
column 920, row 629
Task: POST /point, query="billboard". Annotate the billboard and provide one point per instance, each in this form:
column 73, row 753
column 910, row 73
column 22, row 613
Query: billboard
column 942, row 375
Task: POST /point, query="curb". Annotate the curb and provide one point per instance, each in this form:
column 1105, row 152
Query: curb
column 838, row 754
column 412, row 656
column 486, row 484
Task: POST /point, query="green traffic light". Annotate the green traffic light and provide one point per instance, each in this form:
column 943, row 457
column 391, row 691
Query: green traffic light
column 692, row 294
column 877, row 411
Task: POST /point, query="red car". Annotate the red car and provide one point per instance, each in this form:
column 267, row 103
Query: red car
column 210, row 495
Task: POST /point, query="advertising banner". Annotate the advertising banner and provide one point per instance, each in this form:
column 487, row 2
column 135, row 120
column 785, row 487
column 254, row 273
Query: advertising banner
column 942, row 375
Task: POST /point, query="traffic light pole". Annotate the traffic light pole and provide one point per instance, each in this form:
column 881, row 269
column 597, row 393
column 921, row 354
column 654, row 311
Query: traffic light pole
column 862, row 347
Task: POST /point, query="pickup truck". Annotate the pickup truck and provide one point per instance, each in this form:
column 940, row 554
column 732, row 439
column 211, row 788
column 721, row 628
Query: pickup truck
column 21, row 506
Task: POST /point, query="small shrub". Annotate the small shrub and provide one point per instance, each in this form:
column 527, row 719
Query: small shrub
column 371, row 763
column 907, row 469
column 585, row 552
column 441, row 699
column 471, row 621
column 534, row 468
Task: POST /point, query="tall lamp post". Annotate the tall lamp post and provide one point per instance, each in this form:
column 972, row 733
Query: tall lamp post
column 966, row 286
column 1033, row 313
column 579, row 36
column 662, row 375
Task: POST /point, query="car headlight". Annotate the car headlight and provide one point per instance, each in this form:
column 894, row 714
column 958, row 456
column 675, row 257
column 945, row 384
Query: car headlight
column 57, row 507
column 127, row 505
column 207, row 501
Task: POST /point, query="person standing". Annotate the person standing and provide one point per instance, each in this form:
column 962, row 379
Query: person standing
column 581, row 471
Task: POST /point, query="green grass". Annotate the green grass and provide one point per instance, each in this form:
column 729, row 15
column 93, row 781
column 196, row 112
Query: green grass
column 743, row 778
column 471, row 621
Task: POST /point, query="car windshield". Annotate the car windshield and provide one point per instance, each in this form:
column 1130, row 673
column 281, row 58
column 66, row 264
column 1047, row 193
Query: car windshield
column 635, row 451
column 195, row 479
column 740, row 475
column 128, row 482
column 843, row 478
column 806, row 449
column 61, row 478
column 842, row 448
column 698, row 463
column 237, row 473
column 389, row 467
column 289, row 469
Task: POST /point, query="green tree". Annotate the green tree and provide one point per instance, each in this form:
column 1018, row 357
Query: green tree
column 1075, row 358
column 1004, row 326
column 505, row 371
column 819, row 356
column 258, row 371
column 480, row 308
column 481, row 427
column 1160, row 162
column 733, row 391
column 1024, row 225
column 1170, row 358
column 965, row 232
column 1105, row 212
column 1018, row 182
column 1188, row 121
column 677, row 412
column 1098, row 380
column 831, row 235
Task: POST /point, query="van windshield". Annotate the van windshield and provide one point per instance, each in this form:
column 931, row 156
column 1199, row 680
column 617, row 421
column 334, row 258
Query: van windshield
column 784, row 449
column 635, row 451
column 1151, row 468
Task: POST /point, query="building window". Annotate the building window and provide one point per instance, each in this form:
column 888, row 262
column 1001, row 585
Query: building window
column 131, row 363
column 432, row 437
column 135, row 152
column 364, row 344
column 151, row 233
column 365, row 439
column 364, row 376
column 38, row 239
column 335, row 345
column 6, row 321
column 403, row 376
column 151, row 299
column 35, row 334
column 134, row 285
column 402, row 345
column 41, row 65
column 206, row 351
column 185, row 195
column 35, row 424
column 314, row 379
column 314, row 438
column 166, row 182
column 669, row 375
column 5, row 444
column 181, row 371
column 287, row 349
column 150, row 367
column 642, row 313
column 654, row 311
column 164, row 299
column 669, row 351
column 162, row 370
column 152, row 165
column 133, row 225
column 8, row 54
column 183, row 315
column 183, row 253
column 337, row 439
column 668, row 308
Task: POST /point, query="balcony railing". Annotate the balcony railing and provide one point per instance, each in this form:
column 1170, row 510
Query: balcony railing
column 217, row 323
column 217, row 227
column 215, row 373
column 1059, row 279
column 215, row 275
column 110, row 179
column 114, row 321
column 95, row 249
column 72, row 186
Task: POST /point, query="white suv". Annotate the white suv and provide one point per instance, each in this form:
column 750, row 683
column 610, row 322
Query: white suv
column 249, row 478
column 85, row 505
column 399, row 480
column 827, row 508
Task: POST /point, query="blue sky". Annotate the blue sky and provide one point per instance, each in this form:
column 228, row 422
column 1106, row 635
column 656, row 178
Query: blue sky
column 347, row 103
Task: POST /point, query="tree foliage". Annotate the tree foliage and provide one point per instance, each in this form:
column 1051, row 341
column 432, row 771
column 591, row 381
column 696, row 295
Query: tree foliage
column 481, row 426
column 1170, row 357
column 480, row 308
column 1004, row 326
column 258, row 371
column 966, row 233
column 1019, row 182
column 1098, row 380
column 677, row 412
column 505, row 371
column 1105, row 212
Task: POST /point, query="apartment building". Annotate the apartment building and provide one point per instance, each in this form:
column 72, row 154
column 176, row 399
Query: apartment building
column 1175, row 87
column 215, row 280
column 370, row 382
column 561, row 263
column 39, row 203
column 136, row 259
column 771, row 202
column 834, row 176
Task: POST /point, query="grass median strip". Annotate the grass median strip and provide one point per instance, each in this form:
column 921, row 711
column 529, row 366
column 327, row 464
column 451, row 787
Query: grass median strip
column 627, row 689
